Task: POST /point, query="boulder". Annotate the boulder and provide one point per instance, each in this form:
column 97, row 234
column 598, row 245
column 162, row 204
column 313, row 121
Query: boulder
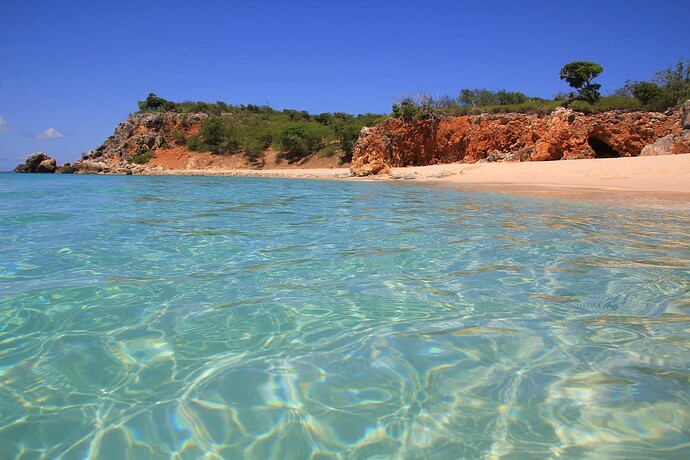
column 371, row 154
column 685, row 115
column 65, row 168
column 672, row 144
column 37, row 162
column 89, row 167
column 47, row 166
column 121, row 171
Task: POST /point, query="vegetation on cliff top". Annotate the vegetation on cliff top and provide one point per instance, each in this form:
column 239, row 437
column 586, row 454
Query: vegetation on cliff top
column 579, row 75
column 668, row 89
column 251, row 129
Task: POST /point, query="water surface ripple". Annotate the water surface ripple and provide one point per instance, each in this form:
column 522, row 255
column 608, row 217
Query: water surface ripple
column 269, row 318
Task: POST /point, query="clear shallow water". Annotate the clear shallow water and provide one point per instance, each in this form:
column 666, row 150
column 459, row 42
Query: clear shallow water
column 260, row 318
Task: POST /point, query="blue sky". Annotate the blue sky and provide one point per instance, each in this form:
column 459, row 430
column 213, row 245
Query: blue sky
column 70, row 71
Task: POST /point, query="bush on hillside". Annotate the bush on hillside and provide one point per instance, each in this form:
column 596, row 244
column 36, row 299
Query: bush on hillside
column 141, row 158
column 669, row 88
column 178, row 138
column 298, row 141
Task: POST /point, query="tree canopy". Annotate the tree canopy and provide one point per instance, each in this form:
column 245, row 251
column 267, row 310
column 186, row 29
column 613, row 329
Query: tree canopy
column 154, row 102
column 579, row 75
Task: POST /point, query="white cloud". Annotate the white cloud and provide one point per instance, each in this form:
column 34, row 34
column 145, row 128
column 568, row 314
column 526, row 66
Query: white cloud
column 50, row 133
column 3, row 125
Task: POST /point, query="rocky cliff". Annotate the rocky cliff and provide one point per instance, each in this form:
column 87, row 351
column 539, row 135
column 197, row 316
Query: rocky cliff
column 563, row 134
column 138, row 134
column 160, row 138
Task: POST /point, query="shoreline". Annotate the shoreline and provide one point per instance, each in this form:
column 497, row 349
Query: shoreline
column 648, row 180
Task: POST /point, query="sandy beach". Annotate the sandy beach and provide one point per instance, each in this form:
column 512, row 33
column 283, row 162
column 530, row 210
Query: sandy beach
column 641, row 180
column 646, row 181
column 653, row 173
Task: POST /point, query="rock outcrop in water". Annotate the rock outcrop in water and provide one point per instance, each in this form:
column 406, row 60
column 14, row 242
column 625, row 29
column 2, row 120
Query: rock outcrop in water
column 39, row 162
column 563, row 134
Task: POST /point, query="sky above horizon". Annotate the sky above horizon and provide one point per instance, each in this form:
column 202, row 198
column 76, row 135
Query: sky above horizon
column 71, row 71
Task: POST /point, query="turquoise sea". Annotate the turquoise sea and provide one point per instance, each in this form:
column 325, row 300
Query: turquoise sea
column 170, row 317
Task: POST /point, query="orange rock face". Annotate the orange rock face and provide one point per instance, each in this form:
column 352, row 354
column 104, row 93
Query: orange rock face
column 564, row 134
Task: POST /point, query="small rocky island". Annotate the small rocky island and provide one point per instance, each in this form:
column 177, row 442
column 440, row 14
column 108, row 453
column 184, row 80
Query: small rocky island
column 39, row 162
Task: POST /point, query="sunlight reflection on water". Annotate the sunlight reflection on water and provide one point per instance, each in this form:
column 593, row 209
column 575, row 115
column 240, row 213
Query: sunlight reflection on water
column 257, row 318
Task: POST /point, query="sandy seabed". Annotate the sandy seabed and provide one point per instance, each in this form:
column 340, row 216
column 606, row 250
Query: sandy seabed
column 638, row 180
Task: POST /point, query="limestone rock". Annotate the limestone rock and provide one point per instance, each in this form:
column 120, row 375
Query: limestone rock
column 142, row 132
column 89, row 167
column 669, row 145
column 564, row 134
column 121, row 171
column 371, row 154
column 685, row 115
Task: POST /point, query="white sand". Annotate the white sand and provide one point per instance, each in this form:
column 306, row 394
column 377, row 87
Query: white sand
column 654, row 173
column 652, row 180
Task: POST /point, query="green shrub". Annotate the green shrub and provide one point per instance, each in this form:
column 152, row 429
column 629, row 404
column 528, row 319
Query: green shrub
column 253, row 149
column 141, row 158
column 617, row 103
column 294, row 142
column 480, row 97
column 212, row 132
column 605, row 104
column 194, row 143
column 251, row 129
column 668, row 89
column 347, row 136
column 178, row 138
column 328, row 151
column 407, row 109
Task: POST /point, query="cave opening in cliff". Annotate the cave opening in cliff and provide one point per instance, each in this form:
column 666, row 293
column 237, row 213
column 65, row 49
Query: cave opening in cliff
column 602, row 149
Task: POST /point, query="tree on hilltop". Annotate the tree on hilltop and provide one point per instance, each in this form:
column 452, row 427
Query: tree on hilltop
column 579, row 75
column 154, row 102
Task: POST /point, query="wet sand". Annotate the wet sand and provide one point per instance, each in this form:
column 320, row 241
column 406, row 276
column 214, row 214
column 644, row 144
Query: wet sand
column 637, row 180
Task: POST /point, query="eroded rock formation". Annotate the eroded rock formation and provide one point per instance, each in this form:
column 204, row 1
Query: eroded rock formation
column 563, row 134
column 139, row 133
column 675, row 143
